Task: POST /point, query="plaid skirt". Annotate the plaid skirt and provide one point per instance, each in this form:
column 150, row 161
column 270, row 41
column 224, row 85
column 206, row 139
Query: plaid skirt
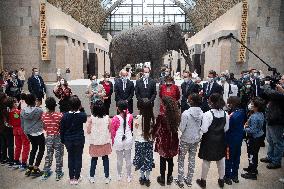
column 143, row 158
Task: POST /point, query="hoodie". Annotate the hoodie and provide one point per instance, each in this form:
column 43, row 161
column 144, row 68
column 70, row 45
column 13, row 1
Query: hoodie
column 31, row 120
column 190, row 125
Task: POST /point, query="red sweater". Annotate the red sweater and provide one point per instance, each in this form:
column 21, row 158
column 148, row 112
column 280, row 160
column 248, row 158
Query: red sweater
column 52, row 122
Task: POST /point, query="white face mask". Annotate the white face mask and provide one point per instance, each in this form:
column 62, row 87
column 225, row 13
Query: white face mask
column 36, row 73
column 209, row 79
column 146, row 75
column 193, row 80
column 250, row 106
column 62, row 82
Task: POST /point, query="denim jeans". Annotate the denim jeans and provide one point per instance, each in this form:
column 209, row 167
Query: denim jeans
column 94, row 164
column 274, row 135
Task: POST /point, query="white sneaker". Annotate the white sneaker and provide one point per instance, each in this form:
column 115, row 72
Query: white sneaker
column 107, row 180
column 129, row 179
column 71, row 181
column 119, row 177
column 92, row 180
column 281, row 180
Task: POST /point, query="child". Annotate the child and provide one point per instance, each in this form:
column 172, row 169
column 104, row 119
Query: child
column 51, row 120
column 33, row 127
column 254, row 131
column 166, row 134
column 215, row 123
column 99, row 138
column 72, row 136
column 234, row 139
column 122, row 139
column 143, row 158
column 21, row 140
column 190, row 127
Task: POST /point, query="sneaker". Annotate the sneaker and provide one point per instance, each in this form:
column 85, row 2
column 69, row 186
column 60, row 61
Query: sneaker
column 201, row 183
column 119, row 177
column 273, row 166
column 161, row 180
column 251, row 176
column 3, row 162
column 178, row 183
column 147, row 182
column 59, row 176
column 92, row 180
column 129, row 179
column 250, row 171
column 170, row 180
column 281, row 180
column 16, row 165
column 46, row 175
column 142, row 181
column 107, row 180
column 228, row 181
column 221, row 183
column 235, row 179
column 29, row 171
column 265, row 160
column 36, row 172
column 71, row 181
column 23, row 167
column 75, row 181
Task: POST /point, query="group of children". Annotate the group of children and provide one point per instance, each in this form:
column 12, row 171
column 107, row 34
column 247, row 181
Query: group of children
column 219, row 132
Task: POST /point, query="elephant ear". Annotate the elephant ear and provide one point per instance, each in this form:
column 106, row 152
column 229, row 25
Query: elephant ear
column 171, row 30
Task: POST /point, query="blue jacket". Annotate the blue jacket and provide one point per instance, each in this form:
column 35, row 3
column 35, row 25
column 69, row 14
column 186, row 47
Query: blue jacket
column 236, row 127
column 255, row 125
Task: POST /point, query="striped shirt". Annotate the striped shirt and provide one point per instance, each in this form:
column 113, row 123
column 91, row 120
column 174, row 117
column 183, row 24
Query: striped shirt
column 52, row 122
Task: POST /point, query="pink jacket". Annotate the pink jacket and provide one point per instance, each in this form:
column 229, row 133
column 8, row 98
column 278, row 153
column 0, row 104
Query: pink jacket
column 115, row 123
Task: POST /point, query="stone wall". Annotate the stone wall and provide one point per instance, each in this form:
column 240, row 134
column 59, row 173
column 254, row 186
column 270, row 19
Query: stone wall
column 265, row 38
column 67, row 40
column 1, row 56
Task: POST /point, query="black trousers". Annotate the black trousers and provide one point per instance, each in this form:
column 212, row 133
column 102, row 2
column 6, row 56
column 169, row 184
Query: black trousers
column 75, row 152
column 38, row 144
column 163, row 165
column 7, row 144
column 253, row 146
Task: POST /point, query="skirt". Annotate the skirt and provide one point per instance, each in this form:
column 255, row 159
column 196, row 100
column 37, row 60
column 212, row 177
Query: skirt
column 99, row 150
column 143, row 158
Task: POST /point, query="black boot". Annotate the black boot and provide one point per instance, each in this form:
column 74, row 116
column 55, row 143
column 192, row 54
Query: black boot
column 169, row 180
column 248, row 175
column 227, row 180
column 221, row 183
column 235, row 179
column 201, row 183
column 250, row 170
column 161, row 180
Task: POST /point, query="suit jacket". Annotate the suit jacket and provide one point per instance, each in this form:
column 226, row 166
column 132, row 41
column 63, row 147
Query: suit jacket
column 36, row 87
column 186, row 90
column 126, row 94
column 216, row 88
column 141, row 92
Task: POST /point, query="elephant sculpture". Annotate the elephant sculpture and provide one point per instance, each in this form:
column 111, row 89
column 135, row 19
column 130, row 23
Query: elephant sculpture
column 146, row 44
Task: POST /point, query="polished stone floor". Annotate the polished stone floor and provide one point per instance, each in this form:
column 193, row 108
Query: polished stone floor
column 14, row 179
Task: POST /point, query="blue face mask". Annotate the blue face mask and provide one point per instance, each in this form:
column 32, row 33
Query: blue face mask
column 94, row 82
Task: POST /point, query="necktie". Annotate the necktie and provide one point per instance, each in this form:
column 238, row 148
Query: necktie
column 208, row 89
column 38, row 80
column 145, row 83
column 124, row 85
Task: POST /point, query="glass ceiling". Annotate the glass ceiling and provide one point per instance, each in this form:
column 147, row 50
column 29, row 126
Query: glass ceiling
column 131, row 13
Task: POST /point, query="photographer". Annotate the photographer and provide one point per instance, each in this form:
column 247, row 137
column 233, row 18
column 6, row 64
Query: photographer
column 275, row 123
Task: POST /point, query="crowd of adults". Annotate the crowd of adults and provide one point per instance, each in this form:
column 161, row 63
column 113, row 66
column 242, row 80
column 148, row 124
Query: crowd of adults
column 257, row 99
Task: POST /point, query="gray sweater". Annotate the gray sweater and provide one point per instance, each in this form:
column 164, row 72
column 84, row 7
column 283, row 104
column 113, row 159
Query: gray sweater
column 190, row 125
column 31, row 120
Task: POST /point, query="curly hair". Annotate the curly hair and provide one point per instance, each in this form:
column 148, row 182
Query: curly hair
column 172, row 113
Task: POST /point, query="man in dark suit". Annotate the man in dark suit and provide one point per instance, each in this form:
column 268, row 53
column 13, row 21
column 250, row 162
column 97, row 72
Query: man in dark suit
column 124, row 90
column 187, row 87
column 36, row 85
column 256, row 83
column 209, row 88
column 145, row 90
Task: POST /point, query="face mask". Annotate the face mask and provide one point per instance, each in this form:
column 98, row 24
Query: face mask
column 146, row 75
column 248, row 86
column 94, row 82
column 168, row 84
column 193, row 80
column 124, row 78
column 16, row 104
column 36, row 73
column 223, row 79
column 107, row 79
column 62, row 82
column 166, row 73
column 209, row 79
column 255, row 75
column 250, row 106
